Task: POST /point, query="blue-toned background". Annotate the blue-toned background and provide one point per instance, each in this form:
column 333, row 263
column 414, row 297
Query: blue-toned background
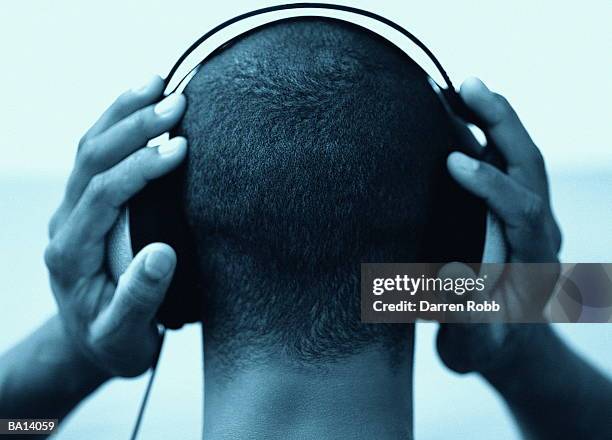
column 64, row 62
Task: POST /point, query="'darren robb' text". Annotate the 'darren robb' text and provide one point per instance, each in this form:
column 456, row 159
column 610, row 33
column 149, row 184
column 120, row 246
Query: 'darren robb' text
column 427, row 306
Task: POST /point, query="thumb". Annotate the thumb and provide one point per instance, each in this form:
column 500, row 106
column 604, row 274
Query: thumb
column 456, row 269
column 142, row 288
column 124, row 336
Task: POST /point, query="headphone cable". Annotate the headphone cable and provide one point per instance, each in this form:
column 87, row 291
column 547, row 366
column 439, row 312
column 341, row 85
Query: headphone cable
column 145, row 398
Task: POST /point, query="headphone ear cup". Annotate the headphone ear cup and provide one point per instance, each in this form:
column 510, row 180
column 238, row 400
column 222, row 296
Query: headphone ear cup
column 119, row 245
column 495, row 247
column 495, row 250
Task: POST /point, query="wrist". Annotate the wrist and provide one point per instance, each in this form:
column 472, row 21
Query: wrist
column 46, row 375
column 520, row 342
column 474, row 348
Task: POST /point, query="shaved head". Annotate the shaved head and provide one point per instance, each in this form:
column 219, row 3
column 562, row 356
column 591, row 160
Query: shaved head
column 314, row 146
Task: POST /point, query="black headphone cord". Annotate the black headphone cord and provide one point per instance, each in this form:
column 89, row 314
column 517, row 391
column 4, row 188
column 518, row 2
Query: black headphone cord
column 145, row 398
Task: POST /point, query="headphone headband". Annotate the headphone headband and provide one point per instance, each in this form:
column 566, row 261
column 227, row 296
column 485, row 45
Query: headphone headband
column 449, row 89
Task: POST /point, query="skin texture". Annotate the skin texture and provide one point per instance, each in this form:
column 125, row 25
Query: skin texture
column 99, row 322
column 354, row 398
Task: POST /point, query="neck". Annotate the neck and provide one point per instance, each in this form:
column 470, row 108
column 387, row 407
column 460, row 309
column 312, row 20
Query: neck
column 362, row 396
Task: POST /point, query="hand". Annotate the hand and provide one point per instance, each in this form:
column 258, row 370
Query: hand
column 520, row 199
column 114, row 324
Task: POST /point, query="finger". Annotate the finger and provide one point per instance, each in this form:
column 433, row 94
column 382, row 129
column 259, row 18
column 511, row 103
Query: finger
column 513, row 203
column 488, row 272
column 530, row 229
column 126, row 136
column 456, row 270
column 134, row 131
column 466, row 141
column 125, row 332
column 127, row 103
column 505, row 130
column 80, row 242
column 142, row 288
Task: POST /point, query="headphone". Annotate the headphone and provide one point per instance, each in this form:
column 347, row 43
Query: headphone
column 156, row 214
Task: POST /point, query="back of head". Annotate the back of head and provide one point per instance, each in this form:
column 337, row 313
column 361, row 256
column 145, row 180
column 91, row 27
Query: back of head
column 314, row 146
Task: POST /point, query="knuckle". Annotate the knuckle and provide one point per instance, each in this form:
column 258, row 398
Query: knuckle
column 97, row 188
column 493, row 179
column 126, row 173
column 137, row 122
column 503, row 107
column 502, row 102
column 119, row 105
column 88, row 154
column 121, row 102
column 82, row 142
column 55, row 257
column 140, row 164
column 533, row 210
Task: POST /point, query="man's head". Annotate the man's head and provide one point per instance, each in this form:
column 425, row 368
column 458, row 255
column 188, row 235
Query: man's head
column 315, row 145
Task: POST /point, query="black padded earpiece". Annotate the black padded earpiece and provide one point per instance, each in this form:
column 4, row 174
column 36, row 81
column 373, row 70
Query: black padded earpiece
column 156, row 214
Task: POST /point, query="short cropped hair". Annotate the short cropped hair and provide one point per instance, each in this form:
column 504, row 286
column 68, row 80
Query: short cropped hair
column 314, row 145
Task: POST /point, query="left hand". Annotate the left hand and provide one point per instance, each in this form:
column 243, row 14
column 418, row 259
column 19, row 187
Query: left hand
column 113, row 324
column 520, row 198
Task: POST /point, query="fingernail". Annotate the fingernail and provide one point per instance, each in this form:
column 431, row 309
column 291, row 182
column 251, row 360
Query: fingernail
column 145, row 85
column 167, row 105
column 158, row 264
column 172, row 146
column 463, row 162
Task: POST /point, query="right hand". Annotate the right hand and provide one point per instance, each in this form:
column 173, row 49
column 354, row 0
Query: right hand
column 114, row 324
column 520, row 199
